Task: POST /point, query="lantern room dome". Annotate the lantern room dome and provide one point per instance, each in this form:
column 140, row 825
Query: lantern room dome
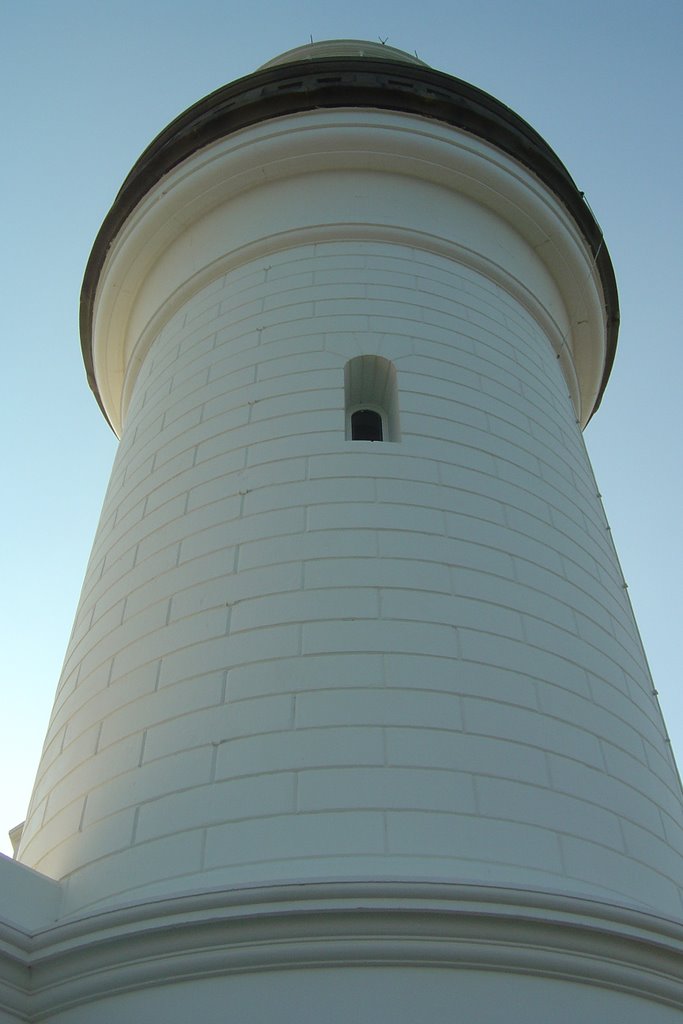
column 343, row 48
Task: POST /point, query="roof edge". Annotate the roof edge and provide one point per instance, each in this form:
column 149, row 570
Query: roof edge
column 347, row 82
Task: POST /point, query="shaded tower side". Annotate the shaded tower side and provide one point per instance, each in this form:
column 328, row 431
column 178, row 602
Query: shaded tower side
column 300, row 656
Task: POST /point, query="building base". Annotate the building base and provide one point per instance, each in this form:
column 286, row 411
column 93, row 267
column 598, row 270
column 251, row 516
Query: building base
column 353, row 951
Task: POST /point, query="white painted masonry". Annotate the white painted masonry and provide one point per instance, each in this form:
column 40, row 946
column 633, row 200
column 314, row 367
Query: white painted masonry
column 377, row 660
column 401, row 676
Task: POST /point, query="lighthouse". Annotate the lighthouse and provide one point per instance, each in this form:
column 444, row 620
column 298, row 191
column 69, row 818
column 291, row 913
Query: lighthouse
column 354, row 721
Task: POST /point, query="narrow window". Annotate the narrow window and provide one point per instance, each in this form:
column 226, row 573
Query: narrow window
column 371, row 399
column 366, row 425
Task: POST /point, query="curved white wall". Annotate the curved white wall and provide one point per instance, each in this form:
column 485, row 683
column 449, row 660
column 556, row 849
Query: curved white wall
column 300, row 657
column 368, row 994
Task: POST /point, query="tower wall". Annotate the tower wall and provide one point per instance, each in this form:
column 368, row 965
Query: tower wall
column 378, row 993
column 300, row 657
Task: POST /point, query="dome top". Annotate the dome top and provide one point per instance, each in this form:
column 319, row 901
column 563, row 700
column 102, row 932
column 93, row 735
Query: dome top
column 343, row 48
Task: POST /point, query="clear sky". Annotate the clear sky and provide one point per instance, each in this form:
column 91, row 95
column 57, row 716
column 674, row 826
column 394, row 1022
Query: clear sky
column 86, row 86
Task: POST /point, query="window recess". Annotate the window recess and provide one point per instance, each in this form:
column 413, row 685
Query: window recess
column 371, row 399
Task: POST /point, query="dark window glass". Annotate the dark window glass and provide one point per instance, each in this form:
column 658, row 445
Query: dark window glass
column 366, row 425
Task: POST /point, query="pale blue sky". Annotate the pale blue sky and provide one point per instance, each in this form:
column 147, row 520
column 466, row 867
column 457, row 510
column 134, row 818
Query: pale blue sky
column 86, row 87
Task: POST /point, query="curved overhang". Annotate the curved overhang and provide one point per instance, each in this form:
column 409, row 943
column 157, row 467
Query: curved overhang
column 356, row 83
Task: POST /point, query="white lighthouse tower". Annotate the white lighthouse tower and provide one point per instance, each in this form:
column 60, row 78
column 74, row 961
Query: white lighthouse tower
column 354, row 722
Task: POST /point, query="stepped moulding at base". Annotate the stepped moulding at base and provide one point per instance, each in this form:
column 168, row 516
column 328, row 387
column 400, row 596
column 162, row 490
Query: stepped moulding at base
column 458, row 945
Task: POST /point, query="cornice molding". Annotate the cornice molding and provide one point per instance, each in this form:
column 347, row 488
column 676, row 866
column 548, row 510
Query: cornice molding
column 340, row 924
